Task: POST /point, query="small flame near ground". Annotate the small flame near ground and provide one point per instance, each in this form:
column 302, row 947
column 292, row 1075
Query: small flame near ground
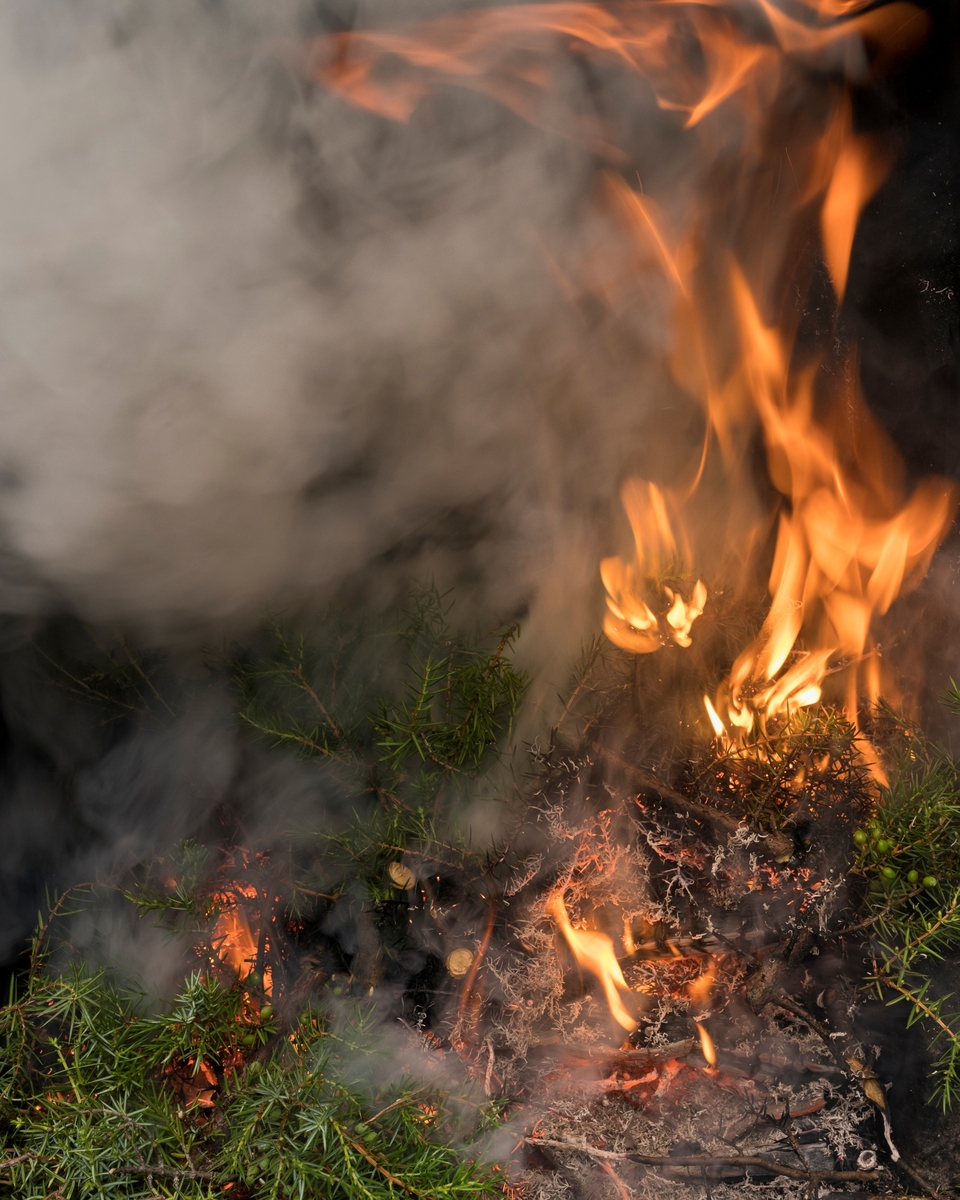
column 594, row 952
column 706, row 1044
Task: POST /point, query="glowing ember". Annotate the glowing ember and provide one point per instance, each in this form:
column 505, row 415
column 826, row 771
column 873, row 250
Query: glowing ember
column 594, row 952
column 234, row 940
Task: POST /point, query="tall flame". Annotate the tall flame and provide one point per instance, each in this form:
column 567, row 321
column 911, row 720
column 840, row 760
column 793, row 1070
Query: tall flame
column 850, row 537
column 594, row 952
column 234, row 940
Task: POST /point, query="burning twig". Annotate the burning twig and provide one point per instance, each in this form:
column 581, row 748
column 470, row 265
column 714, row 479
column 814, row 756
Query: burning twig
column 617, row 1181
column 471, row 979
column 643, row 1054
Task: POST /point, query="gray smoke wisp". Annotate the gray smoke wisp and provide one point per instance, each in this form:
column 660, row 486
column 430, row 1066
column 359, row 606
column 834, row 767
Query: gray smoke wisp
column 259, row 346
column 260, row 349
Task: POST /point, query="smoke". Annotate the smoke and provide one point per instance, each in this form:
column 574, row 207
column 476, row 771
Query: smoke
column 260, row 348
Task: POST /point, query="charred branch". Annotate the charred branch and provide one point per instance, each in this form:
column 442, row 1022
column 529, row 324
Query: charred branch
column 707, row 1161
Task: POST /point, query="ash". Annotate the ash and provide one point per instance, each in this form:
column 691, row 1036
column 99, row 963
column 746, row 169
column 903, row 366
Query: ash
column 780, row 1100
column 727, row 937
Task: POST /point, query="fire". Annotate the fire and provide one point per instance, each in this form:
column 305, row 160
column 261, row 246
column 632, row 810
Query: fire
column 858, row 171
column 706, row 1045
column 631, row 623
column 234, row 941
column 594, row 952
column 700, row 989
column 849, row 540
column 850, row 536
column 718, row 726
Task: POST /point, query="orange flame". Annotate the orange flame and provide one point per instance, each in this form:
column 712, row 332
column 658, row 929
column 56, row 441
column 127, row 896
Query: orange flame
column 631, row 623
column 594, row 952
column 508, row 52
column 849, row 542
column 234, row 941
column 850, row 537
column 706, row 1044
column 858, row 171
column 699, row 990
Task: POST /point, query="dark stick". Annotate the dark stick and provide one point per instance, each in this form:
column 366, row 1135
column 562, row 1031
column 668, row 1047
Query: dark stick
column 478, row 957
column 639, row 1054
column 717, row 1160
column 797, row 1010
column 12, row 1162
column 822, row 1031
column 653, row 787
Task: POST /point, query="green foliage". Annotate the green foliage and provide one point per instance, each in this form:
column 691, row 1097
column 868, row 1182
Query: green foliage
column 205, row 1021
column 898, row 968
column 304, row 1136
column 916, row 831
column 293, row 693
column 951, row 697
column 403, row 701
column 601, row 680
column 408, row 711
column 118, row 679
column 405, row 705
column 758, row 779
column 910, row 854
column 100, row 1099
column 457, row 706
column 185, row 898
column 364, row 848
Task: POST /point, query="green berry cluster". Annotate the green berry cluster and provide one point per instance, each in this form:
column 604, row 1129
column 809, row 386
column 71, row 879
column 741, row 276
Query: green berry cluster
column 258, row 1023
column 878, row 854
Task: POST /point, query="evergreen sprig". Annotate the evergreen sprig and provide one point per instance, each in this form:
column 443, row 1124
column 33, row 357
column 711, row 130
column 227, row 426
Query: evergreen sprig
column 758, row 778
column 898, row 969
column 910, row 855
column 458, row 703
column 108, row 672
column 405, row 704
column 101, row 1099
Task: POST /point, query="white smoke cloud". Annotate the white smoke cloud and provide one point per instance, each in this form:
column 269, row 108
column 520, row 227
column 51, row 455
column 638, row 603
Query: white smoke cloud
column 258, row 346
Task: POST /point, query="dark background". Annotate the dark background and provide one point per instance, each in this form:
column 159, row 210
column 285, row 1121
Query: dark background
column 903, row 300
